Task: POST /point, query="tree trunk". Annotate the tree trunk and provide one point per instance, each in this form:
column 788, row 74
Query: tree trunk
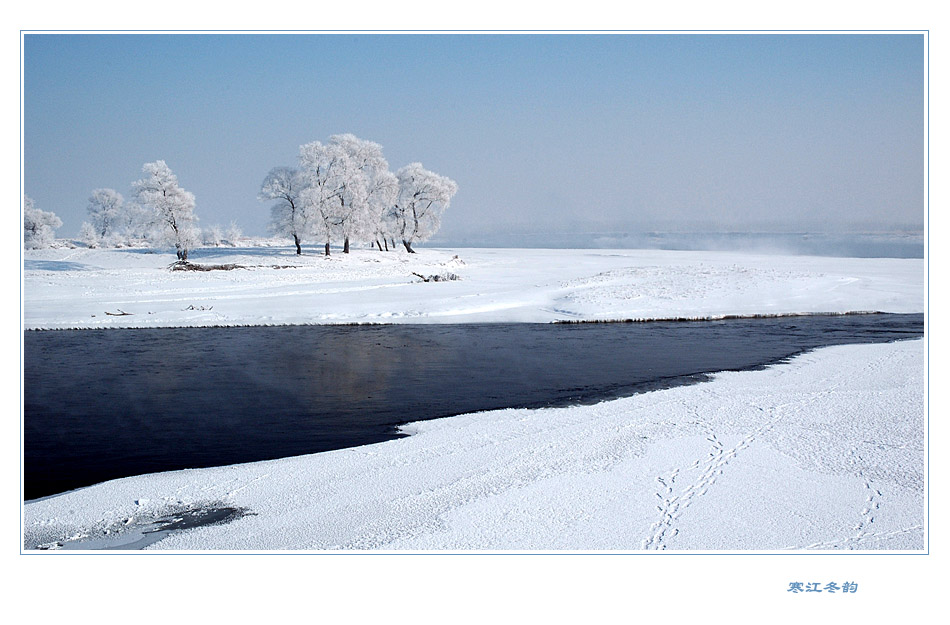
column 386, row 243
column 297, row 243
column 379, row 245
column 327, row 249
column 346, row 245
column 408, row 246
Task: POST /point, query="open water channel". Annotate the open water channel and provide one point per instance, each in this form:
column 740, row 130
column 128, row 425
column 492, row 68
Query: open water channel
column 104, row 404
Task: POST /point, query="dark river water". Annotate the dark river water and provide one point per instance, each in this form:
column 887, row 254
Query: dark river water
column 103, row 404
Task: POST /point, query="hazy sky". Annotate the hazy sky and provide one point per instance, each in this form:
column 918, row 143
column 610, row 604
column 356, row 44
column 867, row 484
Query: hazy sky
column 819, row 132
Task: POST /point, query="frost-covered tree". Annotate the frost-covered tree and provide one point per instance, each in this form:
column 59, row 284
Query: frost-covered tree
column 173, row 207
column 39, row 226
column 343, row 190
column 366, row 188
column 383, row 194
column 423, row 197
column 386, row 229
column 323, row 168
column 105, row 209
column 233, row 234
column 136, row 224
column 89, row 235
column 211, row 235
column 346, row 189
column 289, row 215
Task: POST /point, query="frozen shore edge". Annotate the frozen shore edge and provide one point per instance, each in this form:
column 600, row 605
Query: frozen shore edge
column 698, row 319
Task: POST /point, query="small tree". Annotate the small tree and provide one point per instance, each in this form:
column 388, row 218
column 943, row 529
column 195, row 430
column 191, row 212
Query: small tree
column 233, row 234
column 89, row 235
column 211, row 235
column 39, row 227
column 289, row 215
column 105, row 209
column 173, row 207
column 423, row 197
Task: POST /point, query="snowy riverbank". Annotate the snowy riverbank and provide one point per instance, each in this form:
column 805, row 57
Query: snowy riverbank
column 825, row 452
column 82, row 288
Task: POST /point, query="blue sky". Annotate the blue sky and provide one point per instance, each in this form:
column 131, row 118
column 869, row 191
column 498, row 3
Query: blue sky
column 543, row 133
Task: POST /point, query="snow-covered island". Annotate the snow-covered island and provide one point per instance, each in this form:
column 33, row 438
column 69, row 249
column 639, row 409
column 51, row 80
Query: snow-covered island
column 823, row 452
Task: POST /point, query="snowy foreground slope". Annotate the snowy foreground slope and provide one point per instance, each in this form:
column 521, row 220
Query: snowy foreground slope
column 82, row 288
column 825, row 452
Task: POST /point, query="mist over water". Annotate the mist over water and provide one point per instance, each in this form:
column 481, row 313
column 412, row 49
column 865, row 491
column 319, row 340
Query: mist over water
column 853, row 245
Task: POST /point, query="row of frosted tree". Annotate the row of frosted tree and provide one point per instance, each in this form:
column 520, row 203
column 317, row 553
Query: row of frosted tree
column 342, row 191
column 161, row 213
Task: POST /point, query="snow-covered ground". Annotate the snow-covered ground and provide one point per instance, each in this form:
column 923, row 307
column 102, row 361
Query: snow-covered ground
column 824, row 452
column 83, row 288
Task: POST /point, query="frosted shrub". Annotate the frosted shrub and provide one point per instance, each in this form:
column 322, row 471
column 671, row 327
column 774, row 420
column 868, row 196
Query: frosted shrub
column 233, row 234
column 211, row 235
column 39, row 227
column 88, row 235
